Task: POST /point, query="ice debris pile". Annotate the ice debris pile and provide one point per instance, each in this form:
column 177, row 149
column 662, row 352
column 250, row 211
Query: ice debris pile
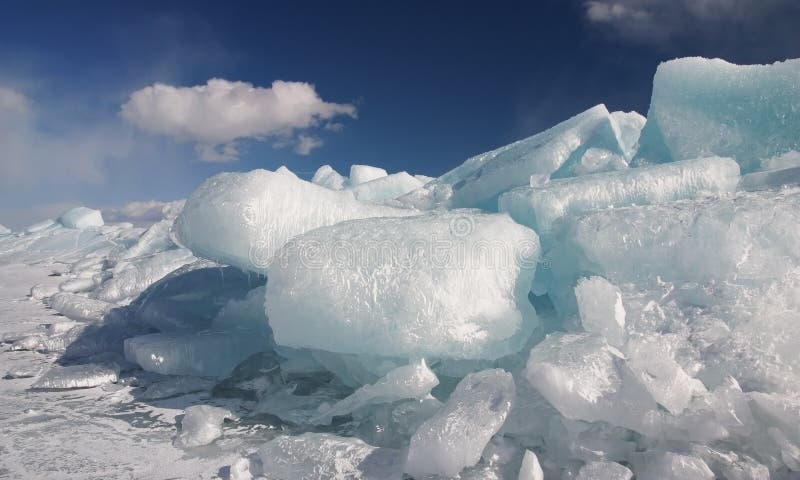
column 615, row 296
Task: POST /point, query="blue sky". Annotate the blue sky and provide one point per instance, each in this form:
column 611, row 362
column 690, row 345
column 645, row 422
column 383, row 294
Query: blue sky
column 416, row 86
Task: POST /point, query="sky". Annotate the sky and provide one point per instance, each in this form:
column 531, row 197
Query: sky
column 106, row 103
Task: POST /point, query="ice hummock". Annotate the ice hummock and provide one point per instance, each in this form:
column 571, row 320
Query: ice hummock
column 707, row 107
column 376, row 286
column 242, row 219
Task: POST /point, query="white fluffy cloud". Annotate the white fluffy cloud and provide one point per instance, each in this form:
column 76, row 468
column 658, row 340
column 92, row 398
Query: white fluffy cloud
column 216, row 114
column 660, row 21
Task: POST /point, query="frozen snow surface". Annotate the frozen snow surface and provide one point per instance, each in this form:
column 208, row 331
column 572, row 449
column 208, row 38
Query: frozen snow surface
column 613, row 298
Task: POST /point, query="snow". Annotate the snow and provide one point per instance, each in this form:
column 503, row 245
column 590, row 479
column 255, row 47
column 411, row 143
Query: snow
column 702, row 107
column 375, row 286
column 456, row 435
column 80, row 218
column 242, row 219
column 540, row 207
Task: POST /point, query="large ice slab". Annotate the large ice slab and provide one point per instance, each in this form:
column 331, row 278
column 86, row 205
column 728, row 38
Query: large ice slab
column 132, row 278
column 540, row 207
column 364, row 173
column 703, row 107
column 386, row 187
column 312, row 456
column 206, row 353
column 81, row 217
column 242, row 219
column 588, row 142
column 443, row 284
column 456, row 435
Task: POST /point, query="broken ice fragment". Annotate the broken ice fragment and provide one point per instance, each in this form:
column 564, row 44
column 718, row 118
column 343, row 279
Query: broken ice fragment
column 455, row 437
column 655, row 465
column 201, row 425
column 530, row 468
column 364, row 173
column 386, row 188
column 327, row 177
column 601, row 310
column 414, row 380
column 77, row 376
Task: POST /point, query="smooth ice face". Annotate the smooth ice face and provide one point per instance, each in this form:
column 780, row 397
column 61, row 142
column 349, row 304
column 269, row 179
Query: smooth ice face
column 133, row 277
column 242, row 219
column 604, row 471
column 448, row 285
column 540, row 207
column 77, row 376
column 601, row 309
column 557, row 152
column 81, row 217
column 207, row 353
column 456, row 435
column 703, row 107
column 412, row 381
column 584, row 378
column 364, row 173
column 327, row 177
column 312, row 456
column 4, row 230
column 77, row 307
column 201, row 425
column 386, row 188
column 657, row 465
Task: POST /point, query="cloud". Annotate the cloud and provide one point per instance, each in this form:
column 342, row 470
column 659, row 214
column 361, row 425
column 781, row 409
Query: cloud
column 664, row 22
column 306, row 143
column 142, row 213
column 215, row 115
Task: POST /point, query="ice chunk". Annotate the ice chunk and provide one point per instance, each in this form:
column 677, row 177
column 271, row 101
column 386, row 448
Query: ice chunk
column 201, row 425
column 77, row 307
column 455, row 437
column 81, row 217
column 586, row 379
column 424, row 178
column 206, row 353
column 654, row 366
column 556, row 152
column 77, row 376
column 657, row 465
column 770, row 179
column 131, row 279
column 380, row 286
column 4, row 230
column 540, row 207
column 312, row 456
column 327, row 177
column 628, row 126
column 604, row 471
column 530, row 469
column 40, row 226
column 364, row 173
column 703, row 107
column 414, row 380
column 386, row 188
column 242, row 219
column 601, row 310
